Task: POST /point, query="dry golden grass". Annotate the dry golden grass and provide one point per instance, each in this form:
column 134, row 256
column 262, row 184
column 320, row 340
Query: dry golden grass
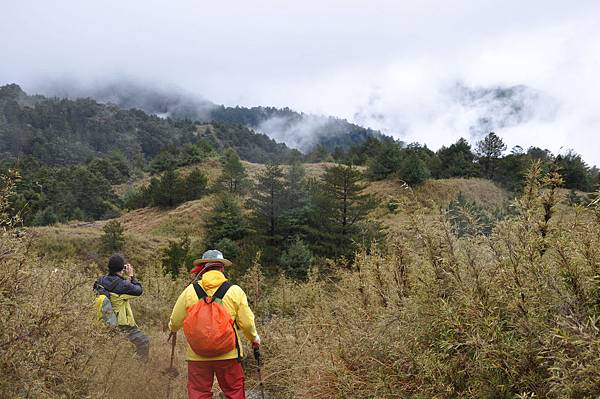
column 441, row 192
column 432, row 196
column 513, row 315
column 81, row 242
column 50, row 344
column 186, row 218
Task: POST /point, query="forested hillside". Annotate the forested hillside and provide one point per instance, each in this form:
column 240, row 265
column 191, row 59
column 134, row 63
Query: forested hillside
column 61, row 131
column 298, row 130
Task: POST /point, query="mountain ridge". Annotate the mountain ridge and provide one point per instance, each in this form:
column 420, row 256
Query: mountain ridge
column 297, row 130
column 64, row 131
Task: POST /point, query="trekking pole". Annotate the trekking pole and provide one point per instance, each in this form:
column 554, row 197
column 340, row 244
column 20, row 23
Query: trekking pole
column 194, row 279
column 172, row 371
column 260, row 380
column 173, row 343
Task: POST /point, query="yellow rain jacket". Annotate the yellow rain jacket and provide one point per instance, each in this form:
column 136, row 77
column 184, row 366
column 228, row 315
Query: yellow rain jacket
column 120, row 291
column 236, row 303
column 122, row 309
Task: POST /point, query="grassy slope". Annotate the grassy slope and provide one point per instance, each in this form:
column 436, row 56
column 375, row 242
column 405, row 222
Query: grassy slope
column 148, row 230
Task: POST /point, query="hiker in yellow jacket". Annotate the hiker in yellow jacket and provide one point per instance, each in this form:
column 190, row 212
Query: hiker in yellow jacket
column 120, row 286
column 226, row 366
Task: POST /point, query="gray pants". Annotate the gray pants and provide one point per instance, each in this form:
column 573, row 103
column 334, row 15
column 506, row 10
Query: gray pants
column 139, row 339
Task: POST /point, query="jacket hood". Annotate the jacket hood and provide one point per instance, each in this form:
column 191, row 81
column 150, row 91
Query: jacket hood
column 212, row 279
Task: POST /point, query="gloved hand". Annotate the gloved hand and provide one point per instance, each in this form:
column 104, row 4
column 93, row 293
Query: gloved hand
column 256, row 348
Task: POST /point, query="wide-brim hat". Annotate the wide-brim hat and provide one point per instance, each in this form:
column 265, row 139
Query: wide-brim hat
column 210, row 256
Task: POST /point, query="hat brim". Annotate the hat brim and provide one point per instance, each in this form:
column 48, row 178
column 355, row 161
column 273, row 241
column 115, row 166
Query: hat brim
column 225, row 262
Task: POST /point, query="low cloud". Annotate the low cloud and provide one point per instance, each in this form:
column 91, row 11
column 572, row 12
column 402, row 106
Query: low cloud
column 425, row 71
column 296, row 133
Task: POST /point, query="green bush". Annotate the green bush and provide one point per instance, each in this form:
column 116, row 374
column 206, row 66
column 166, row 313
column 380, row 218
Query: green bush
column 296, row 259
column 113, row 238
column 177, row 256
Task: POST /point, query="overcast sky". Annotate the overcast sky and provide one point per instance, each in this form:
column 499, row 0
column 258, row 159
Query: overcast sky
column 383, row 64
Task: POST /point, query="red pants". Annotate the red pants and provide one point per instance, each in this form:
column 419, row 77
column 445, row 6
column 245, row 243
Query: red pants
column 230, row 376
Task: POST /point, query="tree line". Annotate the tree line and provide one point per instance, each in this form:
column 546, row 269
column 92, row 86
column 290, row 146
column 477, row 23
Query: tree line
column 415, row 163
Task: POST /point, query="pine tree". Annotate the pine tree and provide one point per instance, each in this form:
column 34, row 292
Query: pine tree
column 165, row 160
column 457, row 160
column 489, row 150
column 113, row 238
column 413, row 169
column 225, row 221
column 233, row 176
column 194, row 185
column 267, row 202
column 575, row 171
column 296, row 193
column 385, row 163
column 342, row 206
column 167, row 191
column 296, row 206
column 176, row 256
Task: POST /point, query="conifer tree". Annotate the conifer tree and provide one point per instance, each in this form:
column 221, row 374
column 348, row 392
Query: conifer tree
column 296, row 193
column 575, row 171
column 386, row 162
column 457, row 160
column 413, row 169
column 489, row 150
column 233, row 176
column 167, row 191
column 225, row 221
column 267, row 202
column 296, row 206
column 194, row 185
column 113, row 238
column 342, row 207
column 296, row 259
column 176, row 256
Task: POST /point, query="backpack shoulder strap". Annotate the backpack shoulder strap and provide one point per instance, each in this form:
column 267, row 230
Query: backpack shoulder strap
column 220, row 293
column 101, row 290
column 199, row 291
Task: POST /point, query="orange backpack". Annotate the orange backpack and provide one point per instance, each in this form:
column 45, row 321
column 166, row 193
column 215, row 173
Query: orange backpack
column 208, row 327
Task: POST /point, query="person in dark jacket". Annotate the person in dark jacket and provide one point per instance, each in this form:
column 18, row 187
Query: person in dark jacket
column 120, row 285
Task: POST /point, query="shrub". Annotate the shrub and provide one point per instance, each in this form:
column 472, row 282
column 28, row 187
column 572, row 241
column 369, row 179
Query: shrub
column 467, row 218
column 177, row 256
column 228, row 247
column 296, row 259
column 113, row 239
column 413, row 170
